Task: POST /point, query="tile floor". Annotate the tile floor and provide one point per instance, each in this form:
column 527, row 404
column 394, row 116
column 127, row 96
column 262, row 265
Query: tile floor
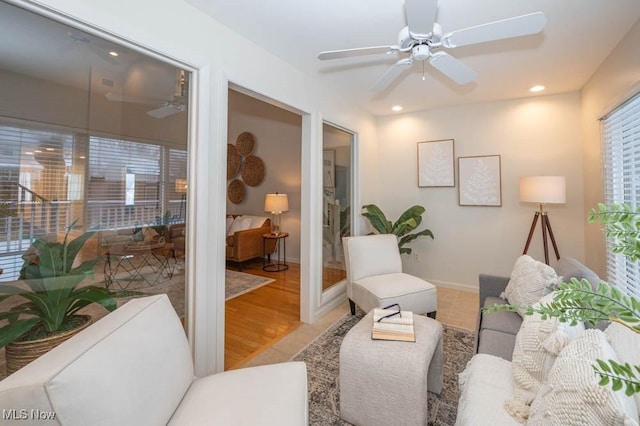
column 455, row 307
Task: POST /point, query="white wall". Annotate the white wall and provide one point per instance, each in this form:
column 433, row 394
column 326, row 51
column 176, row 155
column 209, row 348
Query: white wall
column 533, row 136
column 617, row 78
column 278, row 136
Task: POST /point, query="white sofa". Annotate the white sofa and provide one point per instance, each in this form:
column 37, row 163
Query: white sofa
column 487, row 384
column 539, row 371
column 134, row 367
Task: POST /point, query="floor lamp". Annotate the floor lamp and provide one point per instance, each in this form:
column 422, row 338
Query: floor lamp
column 543, row 190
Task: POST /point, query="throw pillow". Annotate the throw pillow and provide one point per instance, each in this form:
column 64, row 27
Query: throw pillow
column 538, row 342
column 240, row 223
column 626, row 344
column 228, row 226
column 572, row 395
column 256, row 221
column 529, row 281
column 149, row 234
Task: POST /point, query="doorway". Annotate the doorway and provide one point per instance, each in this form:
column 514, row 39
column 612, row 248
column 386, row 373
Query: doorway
column 259, row 317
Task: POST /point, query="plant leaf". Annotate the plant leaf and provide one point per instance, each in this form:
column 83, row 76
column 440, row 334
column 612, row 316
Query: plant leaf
column 14, row 330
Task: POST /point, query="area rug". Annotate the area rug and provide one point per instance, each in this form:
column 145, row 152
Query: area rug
column 237, row 283
column 322, row 359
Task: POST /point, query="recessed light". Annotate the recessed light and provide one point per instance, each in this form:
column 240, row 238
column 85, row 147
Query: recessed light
column 113, row 53
column 29, row 153
column 82, row 157
column 50, row 149
column 537, row 88
column 396, row 108
column 38, row 150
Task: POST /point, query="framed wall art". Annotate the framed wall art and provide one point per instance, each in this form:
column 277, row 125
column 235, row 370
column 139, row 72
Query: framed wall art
column 436, row 163
column 479, row 181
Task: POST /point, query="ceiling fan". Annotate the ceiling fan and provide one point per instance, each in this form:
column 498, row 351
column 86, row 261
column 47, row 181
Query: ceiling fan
column 423, row 39
column 172, row 106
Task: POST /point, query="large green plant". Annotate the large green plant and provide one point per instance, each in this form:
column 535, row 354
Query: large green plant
column 408, row 222
column 577, row 301
column 51, row 288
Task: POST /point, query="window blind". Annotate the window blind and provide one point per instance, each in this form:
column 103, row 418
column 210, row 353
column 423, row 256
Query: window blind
column 111, row 203
column 45, row 169
column 621, row 147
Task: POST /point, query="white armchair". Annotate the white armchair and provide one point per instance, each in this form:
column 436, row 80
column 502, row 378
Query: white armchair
column 375, row 277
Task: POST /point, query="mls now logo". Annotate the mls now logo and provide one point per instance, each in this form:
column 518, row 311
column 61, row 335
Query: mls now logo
column 24, row 414
column 15, row 414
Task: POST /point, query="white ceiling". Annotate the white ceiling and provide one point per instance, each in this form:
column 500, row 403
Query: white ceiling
column 577, row 38
column 51, row 51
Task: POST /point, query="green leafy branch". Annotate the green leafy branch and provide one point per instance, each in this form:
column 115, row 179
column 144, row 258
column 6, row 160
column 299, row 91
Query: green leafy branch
column 577, row 301
column 622, row 228
column 618, row 375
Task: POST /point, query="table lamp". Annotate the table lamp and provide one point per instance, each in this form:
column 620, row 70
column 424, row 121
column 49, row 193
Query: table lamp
column 543, row 190
column 181, row 188
column 276, row 204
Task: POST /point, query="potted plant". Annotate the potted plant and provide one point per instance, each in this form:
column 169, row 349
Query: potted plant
column 408, row 221
column 53, row 297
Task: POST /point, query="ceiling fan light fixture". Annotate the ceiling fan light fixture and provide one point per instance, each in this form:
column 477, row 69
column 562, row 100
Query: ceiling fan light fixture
column 420, row 52
column 423, row 37
column 536, row 88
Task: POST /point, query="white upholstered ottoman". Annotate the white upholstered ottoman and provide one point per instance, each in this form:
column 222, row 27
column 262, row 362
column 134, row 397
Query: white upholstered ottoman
column 385, row 382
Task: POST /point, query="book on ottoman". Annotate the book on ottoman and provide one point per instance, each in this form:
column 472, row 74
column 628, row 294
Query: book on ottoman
column 391, row 323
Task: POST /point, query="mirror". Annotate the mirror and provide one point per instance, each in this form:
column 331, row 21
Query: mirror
column 336, row 201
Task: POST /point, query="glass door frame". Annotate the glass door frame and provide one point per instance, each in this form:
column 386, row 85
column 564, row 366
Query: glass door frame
column 326, row 297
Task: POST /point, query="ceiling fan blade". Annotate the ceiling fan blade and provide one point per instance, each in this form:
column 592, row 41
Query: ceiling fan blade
column 421, row 15
column 165, row 111
column 361, row 51
column 518, row 26
column 117, row 97
column 391, row 74
column 452, row 68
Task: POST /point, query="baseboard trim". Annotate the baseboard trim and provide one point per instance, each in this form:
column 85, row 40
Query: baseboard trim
column 336, row 299
column 455, row 286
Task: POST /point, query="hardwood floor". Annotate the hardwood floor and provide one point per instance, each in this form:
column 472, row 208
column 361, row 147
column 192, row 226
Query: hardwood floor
column 256, row 320
column 263, row 326
column 331, row 276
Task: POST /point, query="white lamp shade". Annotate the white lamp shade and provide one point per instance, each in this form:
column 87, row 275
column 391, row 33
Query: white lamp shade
column 181, row 186
column 276, row 203
column 543, row 189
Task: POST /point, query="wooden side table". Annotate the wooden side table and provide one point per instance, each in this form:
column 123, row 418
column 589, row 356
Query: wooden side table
column 280, row 264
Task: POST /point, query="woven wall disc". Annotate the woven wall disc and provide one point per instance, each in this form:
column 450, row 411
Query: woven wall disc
column 252, row 171
column 245, row 143
column 234, row 161
column 236, row 191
